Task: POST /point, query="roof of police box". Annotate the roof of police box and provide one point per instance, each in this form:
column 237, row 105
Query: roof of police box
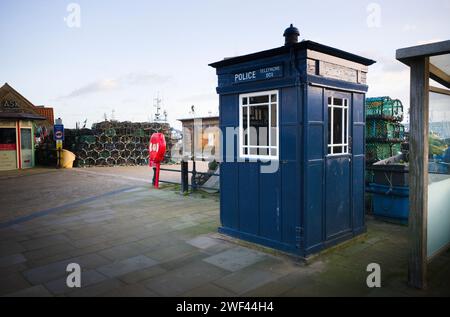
column 298, row 46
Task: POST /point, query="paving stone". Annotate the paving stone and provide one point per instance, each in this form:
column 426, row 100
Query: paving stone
column 271, row 289
column 53, row 271
column 48, row 251
column 203, row 242
column 44, row 241
column 208, row 290
column 12, row 282
column 135, row 290
column 123, row 251
column 97, row 289
column 142, row 275
column 100, row 218
column 59, row 286
column 127, row 265
column 34, row 291
column 179, row 281
column 235, row 259
column 172, row 252
column 10, row 247
column 14, row 268
column 11, row 260
column 245, row 280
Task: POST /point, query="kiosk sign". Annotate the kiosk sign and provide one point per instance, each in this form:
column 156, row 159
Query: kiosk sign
column 58, row 132
column 259, row 74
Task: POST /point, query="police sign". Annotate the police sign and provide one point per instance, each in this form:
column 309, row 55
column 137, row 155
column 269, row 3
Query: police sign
column 259, row 74
column 58, row 132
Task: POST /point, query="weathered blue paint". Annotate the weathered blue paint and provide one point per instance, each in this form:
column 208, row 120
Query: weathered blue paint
column 313, row 201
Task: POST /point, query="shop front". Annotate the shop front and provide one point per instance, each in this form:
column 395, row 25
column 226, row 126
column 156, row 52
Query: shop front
column 18, row 119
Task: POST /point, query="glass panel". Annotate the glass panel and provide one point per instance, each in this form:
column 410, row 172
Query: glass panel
column 337, row 150
column 259, row 125
column 329, row 125
column 345, row 126
column 8, row 136
column 329, row 101
column 259, row 99
column 337, row 101
column 273, row 152
column 273, row 98
column 337, row 126
column 245, row 124
column 264, row 151
column 8, row 157
column 253, row 151
column 25, row 139
column 273, row 125
column 245, row 101
column 439, row 171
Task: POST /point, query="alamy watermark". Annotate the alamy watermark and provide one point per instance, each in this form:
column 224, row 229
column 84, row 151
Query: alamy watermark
column 229, row 147
column 73, row 280
column 73, row 19
column 374, row 15
column 374, row 278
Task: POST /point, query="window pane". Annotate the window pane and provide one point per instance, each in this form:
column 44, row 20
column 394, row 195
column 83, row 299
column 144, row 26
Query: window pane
column 25, row 139
column 329, row 100
column 273, row 98
column 273, row 125
column 245, row 101
column 337, row 101
column 264, row 151
column 253, row 151
column 245, row 124
column 337, row 150
column 7, row 136
column 329, row 125
column 259, row 125
column 259, row 99
column 245, row 151
column 345, row 125
column 337, row 126
column 329, row 150
column 273, row 152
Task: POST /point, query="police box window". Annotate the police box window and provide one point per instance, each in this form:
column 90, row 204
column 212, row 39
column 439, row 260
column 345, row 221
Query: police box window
column 258, row 128
column 337, row 126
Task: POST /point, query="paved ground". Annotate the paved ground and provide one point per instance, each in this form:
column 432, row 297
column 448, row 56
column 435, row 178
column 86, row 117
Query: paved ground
column 44, row 188
column 131, row 240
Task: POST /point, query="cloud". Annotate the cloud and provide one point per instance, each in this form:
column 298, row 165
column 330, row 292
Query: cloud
column 131, row 79
column 429, row 41
column 409, row 27
column 386, row 63
column 209, row 97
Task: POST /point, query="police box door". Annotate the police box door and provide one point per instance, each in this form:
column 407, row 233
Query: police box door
column 338, row 163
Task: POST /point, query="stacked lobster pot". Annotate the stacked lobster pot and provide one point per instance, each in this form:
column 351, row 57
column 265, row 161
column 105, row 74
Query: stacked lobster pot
column 384, row 131
column 111, row 143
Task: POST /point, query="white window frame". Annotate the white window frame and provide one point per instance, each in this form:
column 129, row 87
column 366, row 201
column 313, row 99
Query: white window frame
column 344, row 146
column 270, row 104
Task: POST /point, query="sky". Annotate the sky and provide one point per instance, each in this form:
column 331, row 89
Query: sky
column 91, row 58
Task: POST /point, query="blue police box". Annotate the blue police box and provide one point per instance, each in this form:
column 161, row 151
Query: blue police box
column 298, row 109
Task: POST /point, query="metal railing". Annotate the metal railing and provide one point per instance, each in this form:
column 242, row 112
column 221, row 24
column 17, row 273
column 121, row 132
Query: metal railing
column 184, row 177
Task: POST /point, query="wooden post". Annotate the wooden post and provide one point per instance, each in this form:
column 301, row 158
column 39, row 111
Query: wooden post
column 418, row 172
